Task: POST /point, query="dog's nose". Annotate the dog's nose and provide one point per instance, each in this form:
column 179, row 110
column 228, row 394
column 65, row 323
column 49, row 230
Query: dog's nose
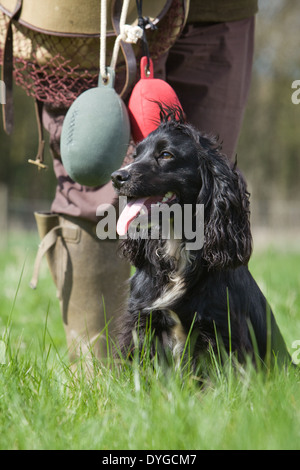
column 119, row 177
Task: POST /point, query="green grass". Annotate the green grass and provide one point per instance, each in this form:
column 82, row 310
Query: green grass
column 43, row 405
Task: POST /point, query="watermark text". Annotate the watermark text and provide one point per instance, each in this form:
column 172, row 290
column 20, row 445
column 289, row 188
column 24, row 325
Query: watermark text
column 296, row 94
column 159, row 221
column 2, row 92
column 296, row 353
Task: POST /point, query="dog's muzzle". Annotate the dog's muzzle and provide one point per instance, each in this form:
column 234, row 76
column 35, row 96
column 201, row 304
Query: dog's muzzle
column 120, row 177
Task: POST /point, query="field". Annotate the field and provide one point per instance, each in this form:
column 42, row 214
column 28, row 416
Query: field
column 43, row 405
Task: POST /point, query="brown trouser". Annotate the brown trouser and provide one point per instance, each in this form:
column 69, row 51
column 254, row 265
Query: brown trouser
column 209, row 68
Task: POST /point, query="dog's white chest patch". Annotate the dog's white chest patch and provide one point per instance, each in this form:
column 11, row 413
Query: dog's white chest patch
column 176, row 286
column 178, row 338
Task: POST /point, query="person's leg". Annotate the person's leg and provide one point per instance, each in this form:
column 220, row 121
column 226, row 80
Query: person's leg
column 90, row 280
column 209, row 67
column 90, row 277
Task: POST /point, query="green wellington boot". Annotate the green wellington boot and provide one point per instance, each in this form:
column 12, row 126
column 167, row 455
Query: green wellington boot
column 90, row 280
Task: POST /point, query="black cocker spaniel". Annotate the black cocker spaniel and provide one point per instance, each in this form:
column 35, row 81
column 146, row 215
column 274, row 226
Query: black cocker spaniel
column 191, row 280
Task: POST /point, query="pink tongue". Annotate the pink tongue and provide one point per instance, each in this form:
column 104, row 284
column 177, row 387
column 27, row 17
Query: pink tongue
column 130, row 211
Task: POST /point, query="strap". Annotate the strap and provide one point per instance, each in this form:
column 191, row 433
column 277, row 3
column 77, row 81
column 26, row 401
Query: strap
column 67, row 232
column 7, row 72
column 7, row 77
column 39, row 159
column 142, row 23
column 48, row 241
column 128, row 53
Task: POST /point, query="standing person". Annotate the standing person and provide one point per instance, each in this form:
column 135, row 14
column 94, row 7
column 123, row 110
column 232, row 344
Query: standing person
column 209, row 67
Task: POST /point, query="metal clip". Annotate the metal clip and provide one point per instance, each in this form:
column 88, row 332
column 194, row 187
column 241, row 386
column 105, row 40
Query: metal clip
column 39, row 158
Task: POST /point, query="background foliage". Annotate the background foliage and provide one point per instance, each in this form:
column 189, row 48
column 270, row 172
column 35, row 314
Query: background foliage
column 268, row 150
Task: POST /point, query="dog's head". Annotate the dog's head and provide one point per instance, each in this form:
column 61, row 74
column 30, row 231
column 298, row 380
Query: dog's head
column 176, row 164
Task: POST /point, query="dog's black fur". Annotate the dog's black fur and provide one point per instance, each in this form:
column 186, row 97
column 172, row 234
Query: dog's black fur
column 209, row 291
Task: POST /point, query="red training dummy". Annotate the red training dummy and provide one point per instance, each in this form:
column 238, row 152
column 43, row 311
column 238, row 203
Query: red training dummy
column 143, row 108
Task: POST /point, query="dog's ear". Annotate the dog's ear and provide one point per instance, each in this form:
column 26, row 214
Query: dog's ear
column 227, row 235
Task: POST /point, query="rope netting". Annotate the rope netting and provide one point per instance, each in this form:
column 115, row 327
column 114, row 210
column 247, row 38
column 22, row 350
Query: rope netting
column 56, row 69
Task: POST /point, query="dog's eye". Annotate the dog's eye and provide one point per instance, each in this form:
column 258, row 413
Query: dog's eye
column 166, row 155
